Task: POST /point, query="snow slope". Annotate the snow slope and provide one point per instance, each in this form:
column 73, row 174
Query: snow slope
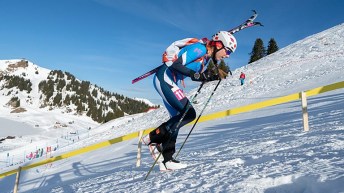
column 36, row 125
column 260, row 151
column 31, row 70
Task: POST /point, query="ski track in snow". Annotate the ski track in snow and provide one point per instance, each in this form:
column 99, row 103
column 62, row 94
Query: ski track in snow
column 259, row 151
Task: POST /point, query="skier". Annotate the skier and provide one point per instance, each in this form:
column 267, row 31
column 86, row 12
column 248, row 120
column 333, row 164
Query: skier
column 183, row 58
column 242, row 78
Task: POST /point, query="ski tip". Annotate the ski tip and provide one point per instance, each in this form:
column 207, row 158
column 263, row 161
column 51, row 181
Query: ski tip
column 254, row 11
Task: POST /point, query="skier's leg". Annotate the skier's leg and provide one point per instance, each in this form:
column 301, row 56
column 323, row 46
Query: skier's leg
column 176, row 103
column 173, row 128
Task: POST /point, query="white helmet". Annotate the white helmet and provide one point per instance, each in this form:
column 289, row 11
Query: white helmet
column 227, row 39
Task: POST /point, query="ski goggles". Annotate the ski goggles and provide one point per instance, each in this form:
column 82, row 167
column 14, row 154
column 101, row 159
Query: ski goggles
column 228, row 51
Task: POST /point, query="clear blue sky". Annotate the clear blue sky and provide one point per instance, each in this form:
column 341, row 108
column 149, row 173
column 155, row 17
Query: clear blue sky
column 110, row 42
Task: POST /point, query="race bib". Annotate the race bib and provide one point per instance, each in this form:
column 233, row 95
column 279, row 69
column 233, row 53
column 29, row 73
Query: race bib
column 179, row 94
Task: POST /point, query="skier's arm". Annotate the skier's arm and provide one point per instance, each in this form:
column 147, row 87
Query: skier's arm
column 195, row 76
column 179, row 67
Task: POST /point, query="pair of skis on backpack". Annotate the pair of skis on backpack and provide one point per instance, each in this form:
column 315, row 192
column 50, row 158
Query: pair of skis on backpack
column 248, row 23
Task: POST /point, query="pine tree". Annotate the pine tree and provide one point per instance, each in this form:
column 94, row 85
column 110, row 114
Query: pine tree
column 67, row 100
column 95, row 93
column 211, row 68
column 223, row 66
column 79, row 108
column 49, row 90
column 258, row 51
column 61, row 84
column 272, row 46
column 57, row 99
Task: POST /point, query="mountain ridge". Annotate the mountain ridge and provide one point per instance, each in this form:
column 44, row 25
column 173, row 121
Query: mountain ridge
column 26, row 86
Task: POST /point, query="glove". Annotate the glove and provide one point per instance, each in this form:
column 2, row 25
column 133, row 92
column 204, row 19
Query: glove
column 196, row 76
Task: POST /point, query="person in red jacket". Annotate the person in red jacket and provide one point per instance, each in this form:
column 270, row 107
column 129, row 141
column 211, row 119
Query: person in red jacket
column 242, row 78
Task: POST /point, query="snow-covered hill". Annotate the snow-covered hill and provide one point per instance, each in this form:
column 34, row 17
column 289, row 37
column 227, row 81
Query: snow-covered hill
column 259, row 151
column 25, row 69
column 26, row 87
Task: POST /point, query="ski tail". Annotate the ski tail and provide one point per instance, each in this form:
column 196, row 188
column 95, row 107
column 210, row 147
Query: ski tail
column 145, row 75
column 248, row 23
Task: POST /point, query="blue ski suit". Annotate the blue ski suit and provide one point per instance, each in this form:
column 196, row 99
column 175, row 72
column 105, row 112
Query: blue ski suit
column 186, row 56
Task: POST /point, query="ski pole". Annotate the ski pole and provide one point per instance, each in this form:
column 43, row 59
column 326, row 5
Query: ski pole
column 206, row 104
column 179, row 122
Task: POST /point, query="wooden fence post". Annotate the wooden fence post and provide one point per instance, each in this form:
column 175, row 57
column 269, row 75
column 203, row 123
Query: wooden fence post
column 138, row 161
column 15, row 190
column 304, row 111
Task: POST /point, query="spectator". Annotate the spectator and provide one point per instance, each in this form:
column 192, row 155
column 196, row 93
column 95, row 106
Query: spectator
column 242, row 78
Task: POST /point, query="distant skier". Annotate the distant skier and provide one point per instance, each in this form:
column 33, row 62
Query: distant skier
column 242, row 78
column 183, row 58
